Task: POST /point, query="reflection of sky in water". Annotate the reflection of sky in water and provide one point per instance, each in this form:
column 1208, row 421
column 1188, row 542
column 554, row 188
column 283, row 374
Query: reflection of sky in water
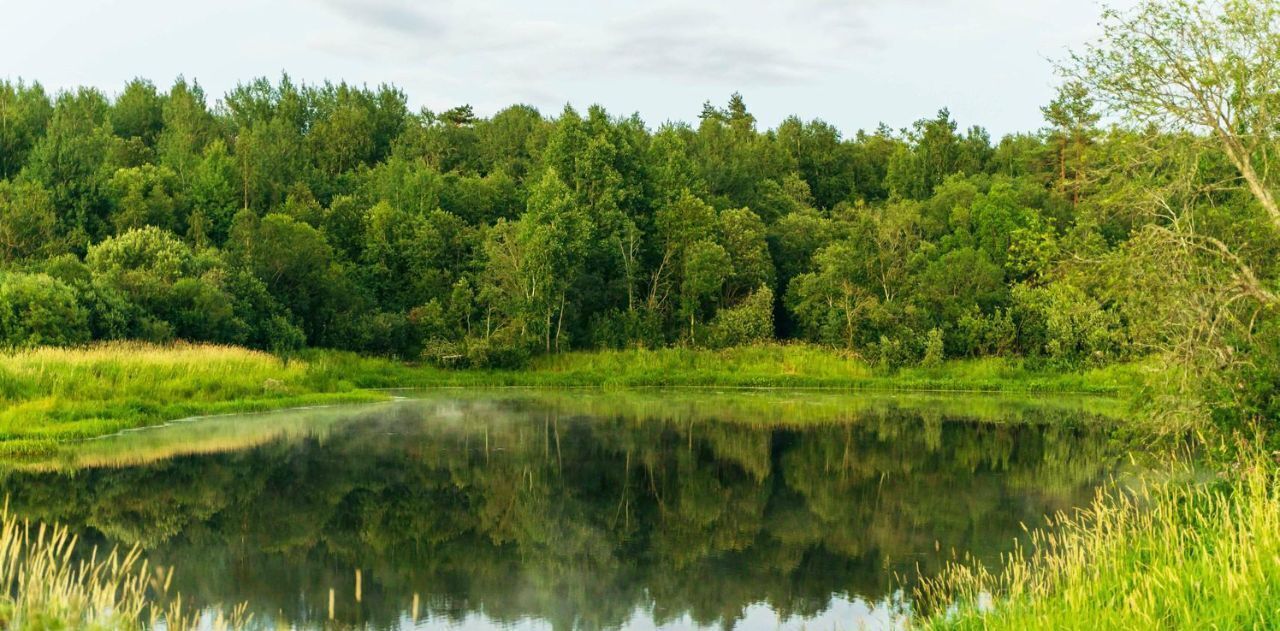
column 842, row 615
column 584, row 509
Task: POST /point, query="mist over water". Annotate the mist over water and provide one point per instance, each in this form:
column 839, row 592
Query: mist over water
column 578, row 510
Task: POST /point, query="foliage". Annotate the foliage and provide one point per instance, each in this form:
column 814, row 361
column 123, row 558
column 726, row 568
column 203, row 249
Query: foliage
column 751, row 322
column 331, row 216
column 36, row 309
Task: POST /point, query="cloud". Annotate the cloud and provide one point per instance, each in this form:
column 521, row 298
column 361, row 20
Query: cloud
column 392, row 16
column 747, row 42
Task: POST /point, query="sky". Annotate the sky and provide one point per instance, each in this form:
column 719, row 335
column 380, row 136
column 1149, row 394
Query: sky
column 854, row 64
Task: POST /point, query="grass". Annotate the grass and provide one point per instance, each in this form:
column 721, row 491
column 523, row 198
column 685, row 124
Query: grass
column 774, row 409
column 45, row 583
column 52, row 395
column 793, row 366
column 1173, row 555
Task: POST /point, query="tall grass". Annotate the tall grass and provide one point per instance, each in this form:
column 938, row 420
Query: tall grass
column 50, row 395
column 797, row 366
column 53, row 394
column 1171, row 556
column 45, row 585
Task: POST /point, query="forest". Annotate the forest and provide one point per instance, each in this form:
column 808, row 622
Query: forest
column 283, row 216
column 332, row 216
column 287, row 216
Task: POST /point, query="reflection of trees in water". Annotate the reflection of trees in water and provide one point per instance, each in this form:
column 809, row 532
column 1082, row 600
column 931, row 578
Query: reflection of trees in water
column 518, row 508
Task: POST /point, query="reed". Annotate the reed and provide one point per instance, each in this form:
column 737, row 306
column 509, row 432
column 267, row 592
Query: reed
column 1172, row 555
column 45, row 583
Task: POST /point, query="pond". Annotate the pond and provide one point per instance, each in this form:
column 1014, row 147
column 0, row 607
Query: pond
column 579, row 509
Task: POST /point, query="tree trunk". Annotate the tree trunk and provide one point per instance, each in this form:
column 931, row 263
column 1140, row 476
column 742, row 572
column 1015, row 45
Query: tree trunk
column 1240, row 156
column 559, row 323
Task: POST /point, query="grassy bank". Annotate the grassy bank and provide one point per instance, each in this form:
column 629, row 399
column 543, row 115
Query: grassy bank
column 766, row 366
column 1176, row 555
column 52, row 395
column 798, row 366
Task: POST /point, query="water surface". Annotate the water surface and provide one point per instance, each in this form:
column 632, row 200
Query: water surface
column 579, row 509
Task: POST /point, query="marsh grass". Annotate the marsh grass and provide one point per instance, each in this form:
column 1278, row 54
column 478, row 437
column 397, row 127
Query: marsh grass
column 50, row 395
column 1173, row 554
column 789, row 366
column 46, row 584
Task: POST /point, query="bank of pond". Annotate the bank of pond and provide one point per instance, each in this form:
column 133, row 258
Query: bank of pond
column 52, row 395
column 589, row 508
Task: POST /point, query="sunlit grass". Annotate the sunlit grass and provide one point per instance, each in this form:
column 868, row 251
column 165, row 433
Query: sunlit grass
column 797, row 366
column 1173, row 555
column 50, row 395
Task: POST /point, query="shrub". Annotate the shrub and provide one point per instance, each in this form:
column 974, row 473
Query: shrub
column 933, row 351
column 1064, row 323
column 750, row 322
column 36, row 309
column 627, row 328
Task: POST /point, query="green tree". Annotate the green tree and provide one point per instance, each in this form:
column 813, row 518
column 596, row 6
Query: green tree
column 138, row 112
column 187, row 127
column 743, row 237
column 143, row 196
column 27, row 221
column 25, row 111
column 70, row 160
column 1194, row 65
column 213, row 190
column 534, row 261
column 706, row 268
column 295, row 264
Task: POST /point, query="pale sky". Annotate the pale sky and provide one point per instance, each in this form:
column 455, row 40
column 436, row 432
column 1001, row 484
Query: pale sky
column 854, row 64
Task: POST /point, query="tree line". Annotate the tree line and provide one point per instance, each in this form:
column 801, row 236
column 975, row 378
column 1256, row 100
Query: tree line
column 1138, row 220
column 290, row 215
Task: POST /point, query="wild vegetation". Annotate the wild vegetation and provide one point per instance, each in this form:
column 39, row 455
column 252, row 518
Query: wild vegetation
column 1191, row 554
column 1138, row 227
column 284, row 216
column 1172, row 556
column 52, row 395
column 43, row 585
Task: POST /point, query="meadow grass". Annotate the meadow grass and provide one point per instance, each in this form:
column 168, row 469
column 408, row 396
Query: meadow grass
column 784, row 366
column 1175, row 554
column 51, row 395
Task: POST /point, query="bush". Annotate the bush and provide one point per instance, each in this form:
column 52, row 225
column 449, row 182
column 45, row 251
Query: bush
column 892, row 353
column 504, row 349
column 284, row 336
column 36, row 309
column 750, row 322
column 1065, row 324
column 933, row 351
column 627, row 329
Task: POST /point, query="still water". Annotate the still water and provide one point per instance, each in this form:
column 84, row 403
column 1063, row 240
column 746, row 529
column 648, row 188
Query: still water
column 590, row 510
